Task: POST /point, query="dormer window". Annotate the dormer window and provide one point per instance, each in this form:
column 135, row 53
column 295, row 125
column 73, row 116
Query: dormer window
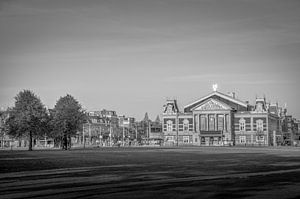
column 259, row 107
column 170, row 108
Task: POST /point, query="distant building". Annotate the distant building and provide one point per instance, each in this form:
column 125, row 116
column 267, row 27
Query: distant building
column 156, row 135
column 221, row 119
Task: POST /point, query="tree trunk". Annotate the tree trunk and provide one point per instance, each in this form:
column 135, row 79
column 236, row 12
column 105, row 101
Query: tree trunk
column 30, row 141
column 69, row 142
column 65, row 142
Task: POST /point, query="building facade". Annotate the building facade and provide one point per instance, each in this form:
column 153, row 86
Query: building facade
column 219, row 119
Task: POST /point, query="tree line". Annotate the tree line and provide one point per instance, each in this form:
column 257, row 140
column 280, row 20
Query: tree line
column 30, row 118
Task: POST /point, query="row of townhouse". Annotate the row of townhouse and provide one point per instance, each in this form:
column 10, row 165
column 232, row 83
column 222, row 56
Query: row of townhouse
column 106, row 128
column 219, row 119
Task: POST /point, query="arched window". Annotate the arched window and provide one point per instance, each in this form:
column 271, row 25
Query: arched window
column 259, row 125
column 169, row 125
column 203, row 123
column 211, row 122
column 242, row 124
column 185, row 125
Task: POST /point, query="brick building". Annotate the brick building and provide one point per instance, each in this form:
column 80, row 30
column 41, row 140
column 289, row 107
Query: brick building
column 221, row 119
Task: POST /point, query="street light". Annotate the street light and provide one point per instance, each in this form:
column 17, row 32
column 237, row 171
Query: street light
column 177, row 128
column 83, row 136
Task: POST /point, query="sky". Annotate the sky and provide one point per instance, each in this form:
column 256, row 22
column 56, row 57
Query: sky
column 132, row 55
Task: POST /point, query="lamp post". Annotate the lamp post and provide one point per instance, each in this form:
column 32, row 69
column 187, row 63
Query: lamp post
column 110, row 132
column 123, row 135
column 83, row 136
column 177, row 129
column 136, row 132
column 149, row 129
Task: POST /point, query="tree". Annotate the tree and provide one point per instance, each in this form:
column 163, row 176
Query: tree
column 68, row 118
column 3, row 118
column 27, row 117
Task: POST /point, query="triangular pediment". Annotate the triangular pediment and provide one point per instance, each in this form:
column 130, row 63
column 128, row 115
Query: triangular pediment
column 233, row 103
column 212, row 104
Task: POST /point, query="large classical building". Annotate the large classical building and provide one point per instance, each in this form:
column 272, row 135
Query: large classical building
column 222, row 119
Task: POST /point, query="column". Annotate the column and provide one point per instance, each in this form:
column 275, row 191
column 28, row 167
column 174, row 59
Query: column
column 224, row 120
column 252, row 132
column 198, row 120
column 207, row 122
column 216, row 122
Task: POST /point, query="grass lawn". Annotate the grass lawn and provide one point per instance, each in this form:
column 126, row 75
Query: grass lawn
column 185, row 172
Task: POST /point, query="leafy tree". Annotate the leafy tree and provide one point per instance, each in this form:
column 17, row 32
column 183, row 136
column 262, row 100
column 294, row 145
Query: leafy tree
column 68, row 118
column 3, row 117
column 28, row 117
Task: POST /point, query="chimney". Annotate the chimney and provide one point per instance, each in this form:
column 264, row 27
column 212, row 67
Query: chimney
column 232, row 94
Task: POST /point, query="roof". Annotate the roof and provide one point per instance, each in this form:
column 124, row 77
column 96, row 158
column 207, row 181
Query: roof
column 227, row 97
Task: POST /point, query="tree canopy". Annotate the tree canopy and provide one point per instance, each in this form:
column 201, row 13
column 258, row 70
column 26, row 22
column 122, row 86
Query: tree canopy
column 28, row 116
column 68, row 117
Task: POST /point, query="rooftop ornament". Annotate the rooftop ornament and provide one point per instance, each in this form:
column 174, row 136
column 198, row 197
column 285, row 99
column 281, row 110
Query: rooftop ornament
column 215, row 87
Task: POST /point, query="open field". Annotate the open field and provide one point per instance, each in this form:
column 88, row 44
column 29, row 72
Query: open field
column 189, row 172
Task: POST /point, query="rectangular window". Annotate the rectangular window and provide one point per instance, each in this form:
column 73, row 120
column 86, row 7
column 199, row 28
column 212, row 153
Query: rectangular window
column 169, row 125
column 186, row 139
column 169, row 138
column 242, row 125
column 260, row 138
column 211, row 121
column 203, row 123
column 242, row 139
column 220, row 123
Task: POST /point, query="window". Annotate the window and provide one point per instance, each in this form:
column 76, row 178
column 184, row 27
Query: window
column 196, row 140
column 242, row 139
column 203, row 140
column 169, row 125
column 94, row 120
column 260, row 138
column 220, row 123
column 259, row 107
column 203, row 123
column 259, row 125
column 185, row 125
column 228, row 125
column 186, row 139
column 242, row 124
column 211, row 122
column 169, row 138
